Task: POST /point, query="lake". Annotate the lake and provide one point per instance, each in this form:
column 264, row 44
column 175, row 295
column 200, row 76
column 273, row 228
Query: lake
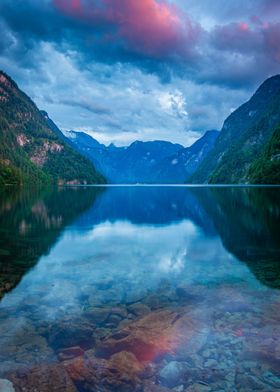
column 149, row 289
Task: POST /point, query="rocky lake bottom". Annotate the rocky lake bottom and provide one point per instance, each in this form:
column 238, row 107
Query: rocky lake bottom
column 140, row 289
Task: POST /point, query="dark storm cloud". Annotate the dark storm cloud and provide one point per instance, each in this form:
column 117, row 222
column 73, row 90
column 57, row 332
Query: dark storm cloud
column 84, row 103
column 170, row 62
column 148, row 34
column 156, row 36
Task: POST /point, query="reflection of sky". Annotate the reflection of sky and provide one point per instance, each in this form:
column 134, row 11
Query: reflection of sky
column 127, row 260
column 123, row 262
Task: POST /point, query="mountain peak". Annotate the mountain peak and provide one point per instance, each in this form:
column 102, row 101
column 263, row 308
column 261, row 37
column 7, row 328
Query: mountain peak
column 211, row 132
column 270, row 85
column 6, row 81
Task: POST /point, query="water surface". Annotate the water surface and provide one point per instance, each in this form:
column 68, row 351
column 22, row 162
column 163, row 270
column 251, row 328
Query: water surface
column 140, row 289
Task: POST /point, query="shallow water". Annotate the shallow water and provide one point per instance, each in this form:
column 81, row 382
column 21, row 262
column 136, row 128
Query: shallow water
column 140, row 289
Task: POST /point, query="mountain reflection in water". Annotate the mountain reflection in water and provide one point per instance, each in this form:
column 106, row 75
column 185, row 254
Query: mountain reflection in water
column 140, row 289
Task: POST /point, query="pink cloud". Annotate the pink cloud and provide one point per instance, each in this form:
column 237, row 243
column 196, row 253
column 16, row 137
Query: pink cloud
column 271, row 8
column 272, row 41
column 259, row 37
column 152, row 28
column 237, row 36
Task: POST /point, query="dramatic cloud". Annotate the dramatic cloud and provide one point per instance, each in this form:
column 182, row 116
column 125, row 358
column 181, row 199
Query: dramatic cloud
column 149, row 69
column 147, row 27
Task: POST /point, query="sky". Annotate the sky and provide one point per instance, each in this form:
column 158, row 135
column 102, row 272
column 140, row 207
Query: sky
column 126, row 70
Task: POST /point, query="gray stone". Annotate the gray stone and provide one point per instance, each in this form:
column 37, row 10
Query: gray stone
column 179, row 388
column 97, row 315
column 6, row 386
column 271, row 379
column 206, row 353
column 139, row 309
column 174, row 373
column 212, row 363
column 249, row 382
column 114, row 320
column 197, row 387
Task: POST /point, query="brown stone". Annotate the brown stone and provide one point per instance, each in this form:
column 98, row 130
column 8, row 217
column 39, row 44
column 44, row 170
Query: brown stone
column 71, row 352
column 120, row 373
column 150, row 337
column 197, row 387
column 150, row 387
column 126, row 364
column 81, row 371
column 44, row 378
column 139, row 309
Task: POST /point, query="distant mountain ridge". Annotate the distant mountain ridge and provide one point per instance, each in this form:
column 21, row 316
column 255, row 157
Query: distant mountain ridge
column 176, row 168
column 32, row 148
column 243, row 138
column 144, row 162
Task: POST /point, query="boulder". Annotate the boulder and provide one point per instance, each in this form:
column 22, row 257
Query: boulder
column 174, row 373
column 69, row 353
column 151, row 387
column 98, row 316
column 152, row 336
column 139, row 309
column 43, row 378
column 6, row 386
column 197, row 387
column 70, row 334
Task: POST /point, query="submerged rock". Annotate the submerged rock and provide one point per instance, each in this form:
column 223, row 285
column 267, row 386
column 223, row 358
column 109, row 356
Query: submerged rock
column 271, row 379
column 6, row 386
column 153, row 301
column 174, row 373
column 44, row 378
column 71, row 352
column 81, row 371
column 150, row 387
column 71, row 333
column 152, row 336
column 98, row 316
column 120, row 373
column 139, row 309
column 197, row 387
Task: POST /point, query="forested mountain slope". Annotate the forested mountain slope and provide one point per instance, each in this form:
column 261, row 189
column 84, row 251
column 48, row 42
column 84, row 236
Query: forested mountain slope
column 243, row 137
column 30, row 150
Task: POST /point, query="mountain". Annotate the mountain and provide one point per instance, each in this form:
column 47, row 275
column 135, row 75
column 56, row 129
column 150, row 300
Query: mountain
column 133, row 164
column 242, row 138
column 266, row 169
column 176, row 168
column 32, row 148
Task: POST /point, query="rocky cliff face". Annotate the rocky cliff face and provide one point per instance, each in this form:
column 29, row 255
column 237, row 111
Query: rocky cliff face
column 32, row 148
column 243, row 136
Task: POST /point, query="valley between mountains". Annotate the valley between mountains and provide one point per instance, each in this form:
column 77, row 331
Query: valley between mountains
column 34, row 150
